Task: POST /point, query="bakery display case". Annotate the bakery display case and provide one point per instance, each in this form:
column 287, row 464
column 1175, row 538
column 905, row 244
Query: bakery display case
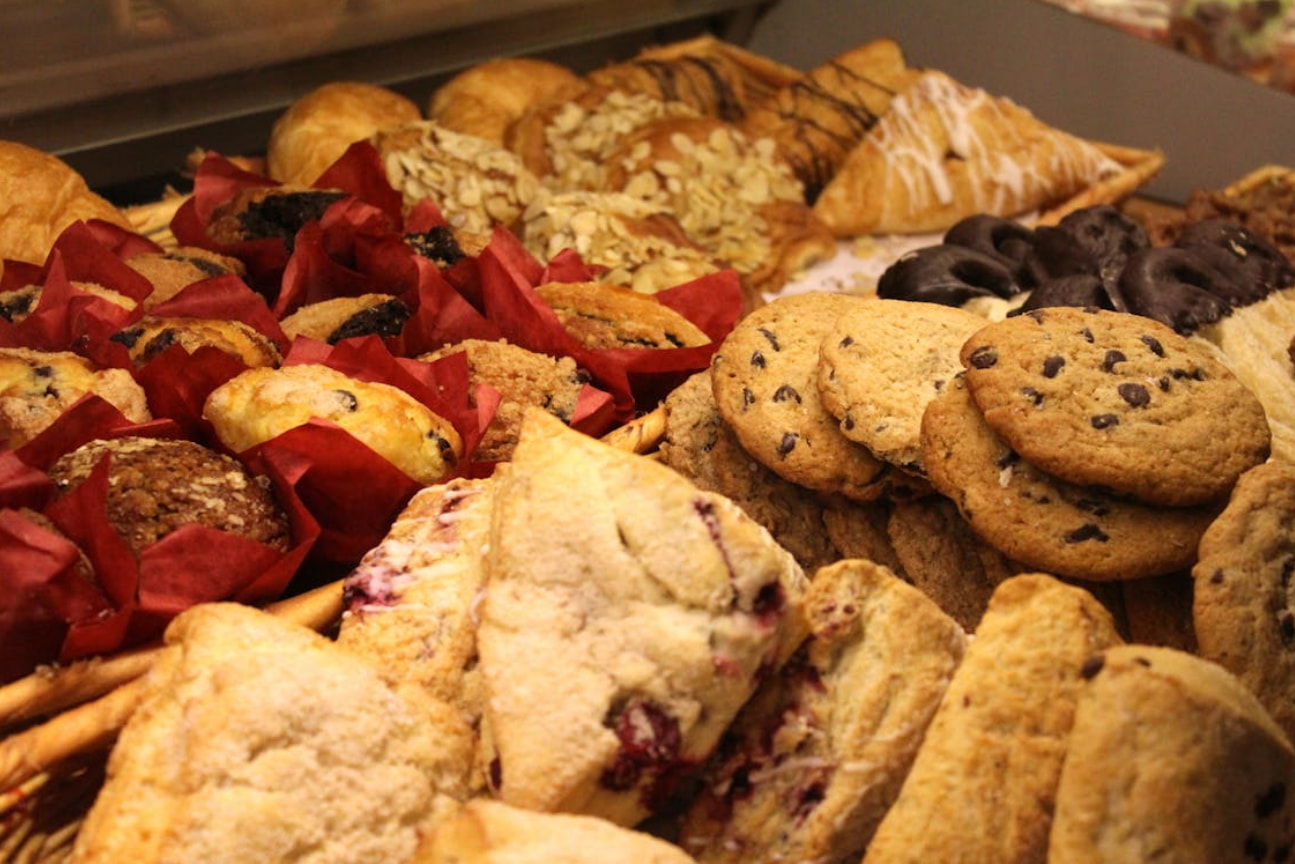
column 689, row 431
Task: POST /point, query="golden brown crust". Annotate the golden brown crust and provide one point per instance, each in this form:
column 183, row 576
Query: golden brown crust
column 485, row 99
column 604, row 316
column 316, row 129
column 40, row 195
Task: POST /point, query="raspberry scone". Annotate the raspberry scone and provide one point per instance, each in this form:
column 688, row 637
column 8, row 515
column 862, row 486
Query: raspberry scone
column 259, row 740
column 818, row 756
column 628, row 616
column 411, row 601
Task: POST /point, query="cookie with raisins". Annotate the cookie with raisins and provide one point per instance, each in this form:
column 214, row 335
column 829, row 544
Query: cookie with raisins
column 1041, row 521
column 765, row 378
column 1108, row 399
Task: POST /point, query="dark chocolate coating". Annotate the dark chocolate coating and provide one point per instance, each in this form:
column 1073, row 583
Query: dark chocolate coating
column 946, row 274
column 1004, row 239
column 1081, row 289
column 1095, row 240
column 1256, row 267
column 1176, row 287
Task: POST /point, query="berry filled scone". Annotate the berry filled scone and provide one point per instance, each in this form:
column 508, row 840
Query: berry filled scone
column 628, row 616
column 819, row 754
column 261, row 404
column 411, row 601
column 258, row 739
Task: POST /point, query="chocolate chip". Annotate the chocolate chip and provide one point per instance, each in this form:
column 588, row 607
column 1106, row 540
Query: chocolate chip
column 786, row 392
column 1271, row 801
column 1286, row 627
column 848, row 423
column 43, row 371
column 347, row 400
column 1092, row 666
column 787, row 444
column 984, row 357
column 1255, row 848
column 1164, row 384
column 847, row 341
column 1035, row 397
column 1052, row 365
column 1112, row 357
column 1104, row 421
column 757, row 360
column 771, row 336
column 1153, row 345
column 1216, row 578
column 1088, row 334
column 1134, row 394
column 1088, row 505
column 748, row 398
column 1085, row 532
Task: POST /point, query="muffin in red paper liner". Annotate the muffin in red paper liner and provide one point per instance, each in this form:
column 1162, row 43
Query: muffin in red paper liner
column 637, row 377
column 348, row 487
column 74, row 308
column 78, row 589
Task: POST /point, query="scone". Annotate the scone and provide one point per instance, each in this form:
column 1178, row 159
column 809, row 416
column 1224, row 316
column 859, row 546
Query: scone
column 1171, row 759
column 627, row 617
column 262, row 403
column 157, row 485
column 258, row 740
column 411, row 602
column 36, row 387
column 818, row 756
column 318, row 127
column 151, row 336
column 984, row 781
column 491, row 832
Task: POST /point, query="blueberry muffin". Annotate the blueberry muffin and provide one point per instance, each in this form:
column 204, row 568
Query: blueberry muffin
column 17, row 304
column 157, row 485
column 172, row 271
column 341, row 318
column 36, row 387
column 261, row 404
column 152, row 336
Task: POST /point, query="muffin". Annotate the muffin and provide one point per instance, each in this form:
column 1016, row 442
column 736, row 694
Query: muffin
column 269, row 213
column 603, row 316
column 158, row 485
column 171, row 272
column 36, row 387
column 151, row 336
column 341, row 318
column 522, row 378
column 17, row 304
column 261, row 404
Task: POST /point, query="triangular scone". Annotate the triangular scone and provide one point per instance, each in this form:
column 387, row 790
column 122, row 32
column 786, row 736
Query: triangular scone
column 260, row 740
column 491, row 832
column 819, row 754
column 411, row 601
column 943, row 151
column 627, row 617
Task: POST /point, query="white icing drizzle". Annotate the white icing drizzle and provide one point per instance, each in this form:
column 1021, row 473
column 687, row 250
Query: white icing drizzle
column 999, row 183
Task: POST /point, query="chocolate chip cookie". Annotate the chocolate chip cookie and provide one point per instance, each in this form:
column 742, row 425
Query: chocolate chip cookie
column 1039, row 520
column 765, row 376
column 882, row 362
column 1119, row 401
column 1243, row 605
